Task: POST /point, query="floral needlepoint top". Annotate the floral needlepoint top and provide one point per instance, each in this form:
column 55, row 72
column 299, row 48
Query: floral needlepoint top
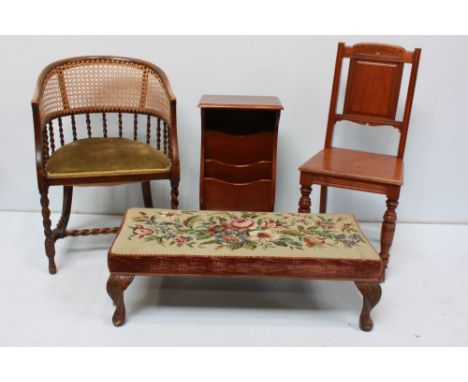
column 251, row 231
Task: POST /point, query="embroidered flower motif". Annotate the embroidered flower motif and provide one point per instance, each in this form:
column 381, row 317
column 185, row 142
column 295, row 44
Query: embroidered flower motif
column 312, row 241
column 215, row 229
column 326, row 224
column 264, row 236
column 141, row 231
column 170, row 215
column 351, row 240
column 230, row 239
column 270, row 223
column 242, row 223
column 244, row 230
column 182, row 239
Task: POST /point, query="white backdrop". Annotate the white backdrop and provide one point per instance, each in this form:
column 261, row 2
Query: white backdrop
column 299, row 71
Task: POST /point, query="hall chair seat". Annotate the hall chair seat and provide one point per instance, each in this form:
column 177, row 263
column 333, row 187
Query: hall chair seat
column 99, row 157
column 356, row 165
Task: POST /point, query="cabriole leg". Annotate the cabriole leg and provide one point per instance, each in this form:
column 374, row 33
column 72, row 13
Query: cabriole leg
column 371, row 293
column 116, row 286
column 49, row 237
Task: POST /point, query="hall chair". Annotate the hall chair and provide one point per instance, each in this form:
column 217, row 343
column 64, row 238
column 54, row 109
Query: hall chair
column 88, row 99
column 371, row 97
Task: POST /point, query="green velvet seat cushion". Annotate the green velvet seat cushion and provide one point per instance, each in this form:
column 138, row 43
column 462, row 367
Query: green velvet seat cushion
column 95, row 157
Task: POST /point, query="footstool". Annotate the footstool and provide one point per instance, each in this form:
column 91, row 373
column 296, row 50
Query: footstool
column 243, row 244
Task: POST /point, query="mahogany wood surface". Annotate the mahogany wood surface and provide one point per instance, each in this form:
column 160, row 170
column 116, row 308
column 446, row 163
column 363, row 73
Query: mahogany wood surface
column 239, row 149
column 371, row 98
column 240, row 102
column 116, row 286
column 357, row 165
column 238, row 173
column 371, row 293
column 221, row 195
column 238, row 152
column 373, row 88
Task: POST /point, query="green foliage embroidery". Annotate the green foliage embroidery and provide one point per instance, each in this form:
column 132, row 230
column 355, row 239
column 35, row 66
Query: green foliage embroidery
column 244, row 230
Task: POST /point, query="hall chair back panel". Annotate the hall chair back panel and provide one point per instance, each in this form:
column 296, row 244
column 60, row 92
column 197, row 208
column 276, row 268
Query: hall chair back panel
column 373, row 88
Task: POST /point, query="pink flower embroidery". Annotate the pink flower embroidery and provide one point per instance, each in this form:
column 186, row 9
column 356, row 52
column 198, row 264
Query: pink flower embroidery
column 230, row 239
column 242, row 223
column 214, row 229
column 312, row 241
column 141, row 231
column 272, row 224
column 170, row 215
column 328, row 225
column 263, row 236
column 181, row 239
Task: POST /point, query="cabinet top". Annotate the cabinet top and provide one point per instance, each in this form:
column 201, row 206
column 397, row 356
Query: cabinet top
column 240, row 102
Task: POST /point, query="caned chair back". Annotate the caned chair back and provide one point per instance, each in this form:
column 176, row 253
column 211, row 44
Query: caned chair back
column 102, row 84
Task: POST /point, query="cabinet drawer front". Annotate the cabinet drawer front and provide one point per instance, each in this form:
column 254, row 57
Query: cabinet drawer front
column 221, row 195
column 238, row 149
column 238, row 173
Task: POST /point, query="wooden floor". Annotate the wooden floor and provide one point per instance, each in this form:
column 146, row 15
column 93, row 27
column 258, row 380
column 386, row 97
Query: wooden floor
column 423, row 301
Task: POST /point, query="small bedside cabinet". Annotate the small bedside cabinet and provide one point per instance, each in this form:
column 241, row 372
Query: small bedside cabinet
column 238, row 152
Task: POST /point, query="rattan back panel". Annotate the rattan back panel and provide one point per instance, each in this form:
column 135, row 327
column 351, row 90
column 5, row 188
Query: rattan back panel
column 103, row 84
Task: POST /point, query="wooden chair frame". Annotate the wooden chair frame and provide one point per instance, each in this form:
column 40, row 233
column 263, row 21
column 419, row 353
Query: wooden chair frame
column 45, row 112
column 388, row 61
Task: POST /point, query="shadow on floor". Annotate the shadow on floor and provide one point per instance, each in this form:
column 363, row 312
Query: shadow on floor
column 236, row 293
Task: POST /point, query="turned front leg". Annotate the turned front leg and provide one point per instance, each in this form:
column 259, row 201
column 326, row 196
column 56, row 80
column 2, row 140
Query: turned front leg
column 116, row 286
column 388, row 232
column 174, row 194
column 304, row 201
column 371, row 293
column 49, row 242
